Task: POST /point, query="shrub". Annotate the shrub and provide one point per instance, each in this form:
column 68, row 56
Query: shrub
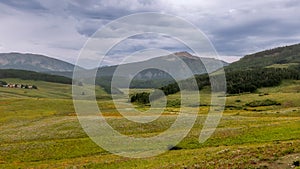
column 140, row 98
column 2, row 83
column 171, row 147
column 266, row 102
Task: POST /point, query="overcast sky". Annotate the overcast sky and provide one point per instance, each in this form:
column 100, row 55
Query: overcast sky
column 59, row 29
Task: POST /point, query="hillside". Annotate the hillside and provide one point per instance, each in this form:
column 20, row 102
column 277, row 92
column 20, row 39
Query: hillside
column 170, row 63
column 264, row 69
column 174, row 64
column 30, row 75
column 277, row 57
column 33, row 62
column 49, row 90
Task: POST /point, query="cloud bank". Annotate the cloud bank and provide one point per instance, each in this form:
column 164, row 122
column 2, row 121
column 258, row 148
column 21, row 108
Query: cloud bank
column 60, row 28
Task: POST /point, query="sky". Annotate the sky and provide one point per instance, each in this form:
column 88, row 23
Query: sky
column 60, row 29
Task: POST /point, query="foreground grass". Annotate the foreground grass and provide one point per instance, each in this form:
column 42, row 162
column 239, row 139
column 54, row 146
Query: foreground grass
column 40, row 131
column 59, row 141
column 239, row 156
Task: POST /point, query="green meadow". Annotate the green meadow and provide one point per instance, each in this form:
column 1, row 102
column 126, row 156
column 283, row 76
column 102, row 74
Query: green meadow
column 39, row 129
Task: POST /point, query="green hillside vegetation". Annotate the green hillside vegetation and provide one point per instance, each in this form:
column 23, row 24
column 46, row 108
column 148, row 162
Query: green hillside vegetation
column 287, row 55
column 259, row 103
column 29, row 75
column 251, row 80
column 36, row 76
column 45, row 90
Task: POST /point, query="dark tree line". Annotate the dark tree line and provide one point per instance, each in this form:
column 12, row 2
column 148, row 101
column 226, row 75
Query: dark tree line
column 153, row 83
column 251, row 80
column 29, row 75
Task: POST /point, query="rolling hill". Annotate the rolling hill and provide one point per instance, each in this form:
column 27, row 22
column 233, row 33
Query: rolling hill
column 278, row 57
column 33, row 62
column 30, row 75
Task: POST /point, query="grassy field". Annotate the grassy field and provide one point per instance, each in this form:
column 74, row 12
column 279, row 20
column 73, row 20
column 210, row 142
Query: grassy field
column 39, row 129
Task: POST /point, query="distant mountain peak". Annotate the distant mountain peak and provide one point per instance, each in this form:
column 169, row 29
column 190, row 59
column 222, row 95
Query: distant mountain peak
column 185, row 54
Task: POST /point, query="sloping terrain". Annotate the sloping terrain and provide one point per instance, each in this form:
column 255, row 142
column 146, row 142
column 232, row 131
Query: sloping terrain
column 277, row 57
column 264, row 69
column 33, row 62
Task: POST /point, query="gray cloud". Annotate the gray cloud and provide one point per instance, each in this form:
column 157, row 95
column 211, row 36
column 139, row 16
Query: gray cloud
column 28, row 5
column 235, row 27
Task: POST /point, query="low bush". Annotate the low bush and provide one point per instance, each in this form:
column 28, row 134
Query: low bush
column 258, row 103
column 174, row 103
column 142, row 98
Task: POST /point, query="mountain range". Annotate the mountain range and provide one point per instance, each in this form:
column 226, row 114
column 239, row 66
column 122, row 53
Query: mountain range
column 150, row 77
column 177, row 66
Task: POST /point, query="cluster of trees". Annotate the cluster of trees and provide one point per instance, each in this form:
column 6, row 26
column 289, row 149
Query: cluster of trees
column 30, row 75
column 251, row 80
column 170, row 89
column 146, row 97
column 143, row 98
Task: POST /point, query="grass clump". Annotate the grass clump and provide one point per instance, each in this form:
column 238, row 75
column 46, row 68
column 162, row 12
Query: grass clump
column 258, row 103
column 174, row 103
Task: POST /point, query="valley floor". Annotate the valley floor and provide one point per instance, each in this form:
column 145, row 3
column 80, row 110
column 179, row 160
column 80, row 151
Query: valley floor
column 41, row 130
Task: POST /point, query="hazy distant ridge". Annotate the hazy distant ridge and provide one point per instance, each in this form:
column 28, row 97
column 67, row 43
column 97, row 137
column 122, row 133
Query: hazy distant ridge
column 33, row 62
